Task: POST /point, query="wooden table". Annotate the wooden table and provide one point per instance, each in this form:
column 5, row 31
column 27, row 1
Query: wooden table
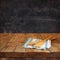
column 11, row 45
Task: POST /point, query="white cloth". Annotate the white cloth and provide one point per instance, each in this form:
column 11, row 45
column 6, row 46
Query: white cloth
column 46, row 45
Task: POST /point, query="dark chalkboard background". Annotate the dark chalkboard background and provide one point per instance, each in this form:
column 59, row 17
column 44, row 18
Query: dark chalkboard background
column 30, row 16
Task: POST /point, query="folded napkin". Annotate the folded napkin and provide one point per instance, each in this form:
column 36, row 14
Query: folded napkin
column 45, row 45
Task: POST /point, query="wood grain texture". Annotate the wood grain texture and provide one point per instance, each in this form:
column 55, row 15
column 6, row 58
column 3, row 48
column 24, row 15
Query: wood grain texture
column 11, row 44
column 29, row 58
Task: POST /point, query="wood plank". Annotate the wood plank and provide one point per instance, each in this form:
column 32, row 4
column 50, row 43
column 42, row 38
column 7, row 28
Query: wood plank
column 3, row 59
column 14, row 42
column 4, row 38
column 9, row 47
column 19, row 48
column 29, row 58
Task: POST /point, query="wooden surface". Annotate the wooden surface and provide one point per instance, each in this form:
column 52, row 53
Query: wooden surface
column 11, row 45
column 29, row 58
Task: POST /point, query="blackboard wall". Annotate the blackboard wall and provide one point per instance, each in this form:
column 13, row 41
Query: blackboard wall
column 29, row 16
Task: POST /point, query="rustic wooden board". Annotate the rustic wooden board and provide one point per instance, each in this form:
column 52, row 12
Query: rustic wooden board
column 4, row 38
column 19, row 48
column 13, row 42
column 29, row 58
column 10, row 46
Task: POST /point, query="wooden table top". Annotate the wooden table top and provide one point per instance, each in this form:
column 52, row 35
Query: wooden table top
column 11, row 45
